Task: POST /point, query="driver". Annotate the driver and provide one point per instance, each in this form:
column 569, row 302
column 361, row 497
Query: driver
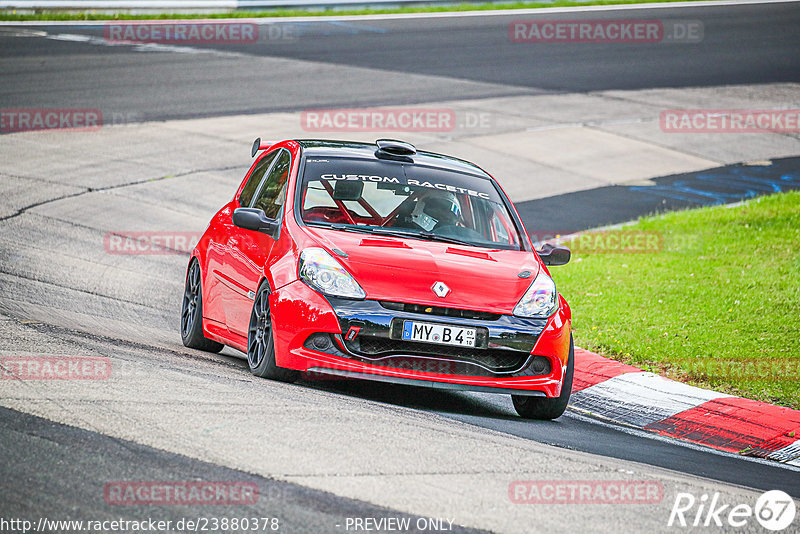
column 436, row 210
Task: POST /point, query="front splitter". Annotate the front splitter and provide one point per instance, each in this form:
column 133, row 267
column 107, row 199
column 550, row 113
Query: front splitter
column 423, row 383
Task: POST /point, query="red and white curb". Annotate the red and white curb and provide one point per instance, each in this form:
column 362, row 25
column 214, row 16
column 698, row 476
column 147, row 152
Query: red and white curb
column 641, row 399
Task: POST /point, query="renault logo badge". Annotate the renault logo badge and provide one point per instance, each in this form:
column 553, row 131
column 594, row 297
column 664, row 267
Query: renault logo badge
column 441, row 289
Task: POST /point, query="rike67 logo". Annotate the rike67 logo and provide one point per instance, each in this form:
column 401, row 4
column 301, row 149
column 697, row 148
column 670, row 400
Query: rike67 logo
column 774, row 510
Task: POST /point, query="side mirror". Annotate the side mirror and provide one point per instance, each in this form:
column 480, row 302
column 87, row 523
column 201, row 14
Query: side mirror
column 254, row 219
column 554, row 254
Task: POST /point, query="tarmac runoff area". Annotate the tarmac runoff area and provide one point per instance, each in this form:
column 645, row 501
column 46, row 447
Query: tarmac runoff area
column 63, row 292
column 536, row 146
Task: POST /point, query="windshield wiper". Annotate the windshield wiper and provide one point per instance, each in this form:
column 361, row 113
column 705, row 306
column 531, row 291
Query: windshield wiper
column 343, row 227
column 425, row 235
column 393, row 233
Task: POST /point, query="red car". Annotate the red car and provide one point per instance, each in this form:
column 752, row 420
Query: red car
column 379, row 262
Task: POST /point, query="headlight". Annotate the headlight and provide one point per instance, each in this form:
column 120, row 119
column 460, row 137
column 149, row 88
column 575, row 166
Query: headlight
column 323, row 273
column 540, row 300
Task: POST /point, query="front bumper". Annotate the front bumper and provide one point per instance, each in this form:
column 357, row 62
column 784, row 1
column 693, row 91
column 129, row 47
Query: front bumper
column 526, row 356
column 503, row 343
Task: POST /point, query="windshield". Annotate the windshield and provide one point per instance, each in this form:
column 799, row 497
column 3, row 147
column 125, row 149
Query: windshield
column 387, row 198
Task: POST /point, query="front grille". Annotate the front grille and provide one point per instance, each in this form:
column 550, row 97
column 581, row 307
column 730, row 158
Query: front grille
column 460, row 360
column 439, row 310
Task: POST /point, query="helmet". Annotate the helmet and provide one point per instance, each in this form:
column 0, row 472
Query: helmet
column 436, row 209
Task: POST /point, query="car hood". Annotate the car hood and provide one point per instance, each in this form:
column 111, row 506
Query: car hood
column 405, row 270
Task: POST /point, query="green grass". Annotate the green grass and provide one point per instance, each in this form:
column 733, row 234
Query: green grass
column 91, row 16
column 718, row 306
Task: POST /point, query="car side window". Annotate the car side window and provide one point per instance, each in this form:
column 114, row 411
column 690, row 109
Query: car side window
column 251, row 186
column 272, row 194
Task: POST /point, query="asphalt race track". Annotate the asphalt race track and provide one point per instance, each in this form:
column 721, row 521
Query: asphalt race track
column 414, row 60
column 319, row 452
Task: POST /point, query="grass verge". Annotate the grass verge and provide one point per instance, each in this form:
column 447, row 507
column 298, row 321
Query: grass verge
column 712, row 298
column 92, row 16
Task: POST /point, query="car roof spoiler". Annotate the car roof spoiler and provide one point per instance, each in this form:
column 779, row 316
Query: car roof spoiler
column 258, row 144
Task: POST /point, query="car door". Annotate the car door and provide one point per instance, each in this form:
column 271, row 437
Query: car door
column 226, row 234
column 247, row 250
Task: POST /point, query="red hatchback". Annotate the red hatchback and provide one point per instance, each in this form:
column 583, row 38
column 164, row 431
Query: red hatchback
column 379, row 262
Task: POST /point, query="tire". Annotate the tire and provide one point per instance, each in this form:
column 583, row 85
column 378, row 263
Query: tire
column 260, row 343
column 192, row 313
column 548, row 408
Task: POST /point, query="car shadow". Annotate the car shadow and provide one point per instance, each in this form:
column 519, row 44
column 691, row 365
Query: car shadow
column 420, row 398
column 457, row 403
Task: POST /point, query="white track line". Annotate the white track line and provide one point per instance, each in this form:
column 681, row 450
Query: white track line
column 640, row 399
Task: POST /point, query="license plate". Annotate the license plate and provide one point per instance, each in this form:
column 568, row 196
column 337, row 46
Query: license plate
column 438, row 333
